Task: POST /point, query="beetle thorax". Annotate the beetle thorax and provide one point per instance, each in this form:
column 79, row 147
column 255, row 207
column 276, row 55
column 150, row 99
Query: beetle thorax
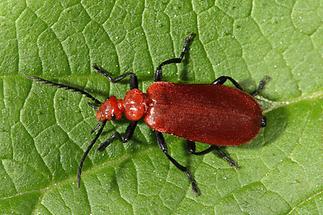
column 134, row 106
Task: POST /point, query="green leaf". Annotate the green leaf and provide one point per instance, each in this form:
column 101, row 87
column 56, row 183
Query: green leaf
column 44, row 131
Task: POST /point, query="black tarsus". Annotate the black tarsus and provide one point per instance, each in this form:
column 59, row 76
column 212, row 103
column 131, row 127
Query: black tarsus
column 261, row 86
column 65, row 87
column 163, row 146
column 191, row 148
column 105, row 73
column 186, row 47
column 221, row 153
column 122, row 137
column 88, row 149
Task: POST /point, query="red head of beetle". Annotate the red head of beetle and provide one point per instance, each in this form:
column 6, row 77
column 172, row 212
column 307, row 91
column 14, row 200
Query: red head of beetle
column 112, row 107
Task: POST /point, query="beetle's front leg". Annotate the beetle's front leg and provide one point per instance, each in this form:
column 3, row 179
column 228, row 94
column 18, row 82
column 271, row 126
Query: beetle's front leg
column 87, row 151
column 105, row 73
column 122, row 137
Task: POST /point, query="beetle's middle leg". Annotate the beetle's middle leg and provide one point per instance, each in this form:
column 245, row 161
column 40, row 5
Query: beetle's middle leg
column 186, row 47
column 191, row 148
column 162, row 145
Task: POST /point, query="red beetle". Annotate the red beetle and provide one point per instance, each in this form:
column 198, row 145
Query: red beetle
column 210, row 113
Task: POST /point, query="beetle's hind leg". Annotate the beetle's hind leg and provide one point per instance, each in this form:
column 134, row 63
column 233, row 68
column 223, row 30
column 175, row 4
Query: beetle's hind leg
column 186, row 47
column 261, row 86
column 162, row 145
column 191, row 148
column 223, row 79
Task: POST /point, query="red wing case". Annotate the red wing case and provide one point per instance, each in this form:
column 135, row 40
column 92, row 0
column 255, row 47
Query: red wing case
column 213, row 114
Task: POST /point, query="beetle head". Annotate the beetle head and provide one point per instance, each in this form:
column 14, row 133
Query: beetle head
column 111, row 108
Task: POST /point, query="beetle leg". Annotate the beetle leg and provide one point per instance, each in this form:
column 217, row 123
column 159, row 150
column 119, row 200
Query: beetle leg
column 223, row 79
column 162, row 145
column 218, row 150
column 261, row 86
column 221, row 153
column 186, row 47
column 88, row 149
column 191, row 148
column 96, row 127
column 122, row 137
column 105, row 73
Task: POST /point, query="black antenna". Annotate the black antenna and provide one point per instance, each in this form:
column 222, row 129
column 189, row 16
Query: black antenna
column 79, row 171
column 65, row 87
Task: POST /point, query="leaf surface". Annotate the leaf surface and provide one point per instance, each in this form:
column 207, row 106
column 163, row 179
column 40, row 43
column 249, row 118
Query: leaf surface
column 44, row 131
